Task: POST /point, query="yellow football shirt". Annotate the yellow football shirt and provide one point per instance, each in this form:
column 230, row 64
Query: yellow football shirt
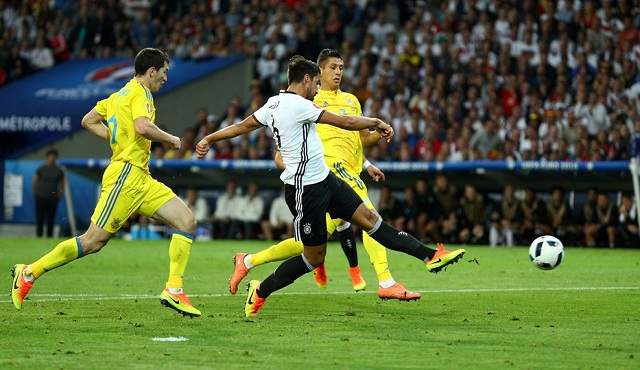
column 340, row 145
column 120, row 110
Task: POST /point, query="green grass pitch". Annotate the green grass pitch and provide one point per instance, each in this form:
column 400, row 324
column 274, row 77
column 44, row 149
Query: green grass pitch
column 502, row 312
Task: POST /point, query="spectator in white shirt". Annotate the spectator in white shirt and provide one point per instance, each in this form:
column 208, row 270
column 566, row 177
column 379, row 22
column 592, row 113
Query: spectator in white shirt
column 380, row 28
column 248, row 214
column 274, row 45
column 198, row 205
column 226, row 206
column 41, row 57
column 596, row 118
column 280, row 220
column 267, row 66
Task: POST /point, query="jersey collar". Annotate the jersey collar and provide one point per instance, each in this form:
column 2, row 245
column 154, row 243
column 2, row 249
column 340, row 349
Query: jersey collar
column 329, row 92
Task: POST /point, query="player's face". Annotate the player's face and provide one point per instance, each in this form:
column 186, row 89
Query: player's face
column 312, row 87
column 159, row 77
column 332, row 73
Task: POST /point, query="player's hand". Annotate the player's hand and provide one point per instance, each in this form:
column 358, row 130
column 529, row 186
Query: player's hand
column 202, row 148
column 375, row 173
column 175, row 143
column 385, row 130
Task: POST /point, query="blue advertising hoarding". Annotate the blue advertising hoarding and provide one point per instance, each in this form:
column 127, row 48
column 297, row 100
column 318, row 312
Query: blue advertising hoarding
column 49, row 105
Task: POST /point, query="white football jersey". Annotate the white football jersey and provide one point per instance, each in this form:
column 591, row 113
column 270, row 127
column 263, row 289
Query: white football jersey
column 292, row 119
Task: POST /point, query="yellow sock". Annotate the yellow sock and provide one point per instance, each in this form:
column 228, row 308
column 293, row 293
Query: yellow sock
column 277, row 252
column 63, row 253
column 378, row 256
column 179, row 250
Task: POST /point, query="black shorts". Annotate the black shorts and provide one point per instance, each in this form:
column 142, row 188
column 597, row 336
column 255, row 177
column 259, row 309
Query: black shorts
column 310, row 204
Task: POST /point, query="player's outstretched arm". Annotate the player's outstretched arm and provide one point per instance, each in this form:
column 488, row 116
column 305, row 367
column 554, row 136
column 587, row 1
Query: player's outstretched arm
column 357, row 123
column 243, row 127
column 148, row 130
column 92, row 121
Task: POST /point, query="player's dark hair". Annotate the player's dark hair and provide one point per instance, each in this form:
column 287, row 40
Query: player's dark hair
column 150, row 57
column 299, row 66
column 53, row 152
column 326, row 54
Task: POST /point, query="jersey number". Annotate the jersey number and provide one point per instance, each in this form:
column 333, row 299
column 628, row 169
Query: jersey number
column 276, row 134
column 113, row 125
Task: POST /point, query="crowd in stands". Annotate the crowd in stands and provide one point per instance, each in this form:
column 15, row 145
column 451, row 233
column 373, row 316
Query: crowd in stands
column 458, row 79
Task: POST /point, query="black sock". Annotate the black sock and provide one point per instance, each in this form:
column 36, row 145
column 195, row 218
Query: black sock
column 402, row 242
column 348, row 243
column 285, row 274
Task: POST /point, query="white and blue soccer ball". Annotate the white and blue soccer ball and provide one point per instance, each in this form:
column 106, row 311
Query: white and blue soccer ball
column 546, row 252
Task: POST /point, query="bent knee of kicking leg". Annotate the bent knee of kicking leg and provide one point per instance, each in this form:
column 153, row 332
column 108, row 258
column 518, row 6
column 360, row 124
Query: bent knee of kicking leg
column 366, row 218
column 373, row 218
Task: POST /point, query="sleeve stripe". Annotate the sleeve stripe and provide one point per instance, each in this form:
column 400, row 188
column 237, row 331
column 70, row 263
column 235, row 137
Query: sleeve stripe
column 320, row 116
column 257, row 120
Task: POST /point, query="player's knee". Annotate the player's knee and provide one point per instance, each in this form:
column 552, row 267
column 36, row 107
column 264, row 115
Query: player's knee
column 188, row 223
column 365, row 217
column 315, row 256
column 91, row 244
column 372, row 218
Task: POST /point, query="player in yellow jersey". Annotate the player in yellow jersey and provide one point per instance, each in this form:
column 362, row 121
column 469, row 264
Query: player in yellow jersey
column 127, row 185
column 343, row 153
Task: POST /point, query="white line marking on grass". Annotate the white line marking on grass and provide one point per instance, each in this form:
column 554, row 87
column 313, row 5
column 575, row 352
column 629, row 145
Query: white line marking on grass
column 104, row 297
column 170, row 339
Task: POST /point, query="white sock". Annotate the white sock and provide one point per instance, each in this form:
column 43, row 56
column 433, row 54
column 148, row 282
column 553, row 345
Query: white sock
column 175, row 290
column 387, row 283
column 247, row 262
column 27, row 275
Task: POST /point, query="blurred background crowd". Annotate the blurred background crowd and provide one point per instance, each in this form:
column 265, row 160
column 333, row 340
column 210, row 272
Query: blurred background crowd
column 459, row 80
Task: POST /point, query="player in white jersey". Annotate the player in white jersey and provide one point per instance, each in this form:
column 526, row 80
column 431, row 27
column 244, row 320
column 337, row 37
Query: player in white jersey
column 311, row 190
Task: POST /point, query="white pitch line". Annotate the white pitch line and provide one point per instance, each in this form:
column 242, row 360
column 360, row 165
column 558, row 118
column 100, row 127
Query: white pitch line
column 104, row 297
column 169, row 339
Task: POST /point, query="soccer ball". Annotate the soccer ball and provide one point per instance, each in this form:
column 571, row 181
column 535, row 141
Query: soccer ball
column 546, row 252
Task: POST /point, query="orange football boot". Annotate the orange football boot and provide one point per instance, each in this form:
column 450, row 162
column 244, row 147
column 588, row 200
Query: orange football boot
column 357, row 281
column 443, row 258
column 239, row 272
column 179, row 302
column 320, row 276
column 21, row 286
column 254, row 303
column 399, row 292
